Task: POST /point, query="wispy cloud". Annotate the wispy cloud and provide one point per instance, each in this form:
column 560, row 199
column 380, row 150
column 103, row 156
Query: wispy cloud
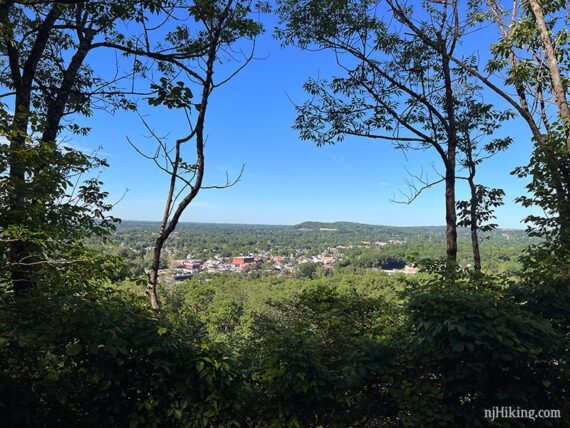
column 342, row 162
column 384, row 184
column 88, row 150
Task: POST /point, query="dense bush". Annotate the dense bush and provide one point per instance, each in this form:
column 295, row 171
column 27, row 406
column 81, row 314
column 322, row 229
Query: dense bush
column 342, row 350
column 96, row 359
column 373, row 350
column 483, row 350
column 316, row 359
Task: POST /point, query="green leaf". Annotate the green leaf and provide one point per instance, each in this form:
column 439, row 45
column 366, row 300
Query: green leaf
column 74, row 349
column 457, row 346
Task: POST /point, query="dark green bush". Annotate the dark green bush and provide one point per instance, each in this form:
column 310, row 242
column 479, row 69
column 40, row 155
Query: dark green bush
column 99, row 360
column 476, row 348
column 338, row 351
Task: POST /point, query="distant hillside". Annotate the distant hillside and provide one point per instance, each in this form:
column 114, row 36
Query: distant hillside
column 328, row 229
column 410, row 232
column 346, row 226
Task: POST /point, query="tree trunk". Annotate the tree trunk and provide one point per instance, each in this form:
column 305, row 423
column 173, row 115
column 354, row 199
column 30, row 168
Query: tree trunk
column 151, row 291
column 168, row 223
column 450, row 216
column 151, row 287
column 18, row 251
column 561, row 101
column 56, row 108
column 557, row 85
column 21, row 252
column 450, row 209
column 474, row 227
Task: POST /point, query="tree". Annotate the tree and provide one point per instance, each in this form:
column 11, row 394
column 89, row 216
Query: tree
column 396, row 87
column 529, row 57
column 222, row 24
column 477, row 120
column 533, row 51
column 552, row 55
column 307, row 270
column 39, row 83
column 49, row 81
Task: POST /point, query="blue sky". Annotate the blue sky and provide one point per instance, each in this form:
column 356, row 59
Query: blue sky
column 286, row 181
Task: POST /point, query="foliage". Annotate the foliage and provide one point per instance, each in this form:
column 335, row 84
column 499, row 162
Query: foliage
column 98, row 359
column 549, row 189
column 63, row 206
column 372, row 350
column 477, row 344
column 486, row 201
column 307, row 270
column 339, row 347
column 316, row 360
column 362, row 349
column 386, row 258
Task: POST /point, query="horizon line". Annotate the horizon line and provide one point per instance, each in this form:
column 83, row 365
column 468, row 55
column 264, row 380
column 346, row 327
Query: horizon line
column 308, row 221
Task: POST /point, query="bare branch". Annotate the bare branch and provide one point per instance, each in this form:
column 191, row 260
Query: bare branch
column 414, row 191
column 229, row 183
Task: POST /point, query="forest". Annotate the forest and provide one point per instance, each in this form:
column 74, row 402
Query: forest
column 500, row 249
column 91, row 335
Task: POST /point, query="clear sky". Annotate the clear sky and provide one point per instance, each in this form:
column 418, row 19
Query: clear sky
column 286, row 180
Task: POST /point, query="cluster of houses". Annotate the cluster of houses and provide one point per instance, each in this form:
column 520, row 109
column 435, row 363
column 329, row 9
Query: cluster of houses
column 184, row 269
column 181, row 270
column 408, row 270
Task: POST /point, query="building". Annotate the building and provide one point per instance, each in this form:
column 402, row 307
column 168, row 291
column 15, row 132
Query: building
column 410, row 270
column 242, row 260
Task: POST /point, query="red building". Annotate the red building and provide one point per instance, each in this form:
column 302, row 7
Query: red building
column 242, row 260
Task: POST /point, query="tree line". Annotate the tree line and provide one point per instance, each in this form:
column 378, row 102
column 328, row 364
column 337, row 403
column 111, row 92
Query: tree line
column 79, row 349
column 405, row 77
